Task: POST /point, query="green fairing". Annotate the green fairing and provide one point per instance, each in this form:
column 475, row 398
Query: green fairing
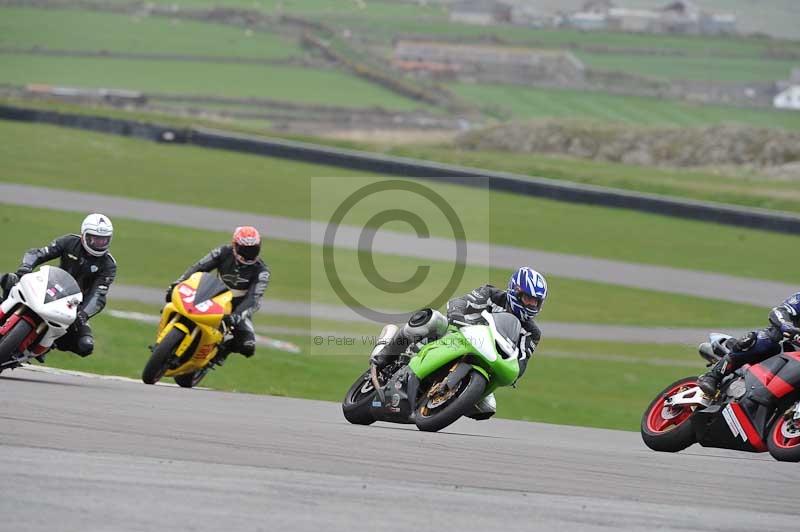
column 440, row 353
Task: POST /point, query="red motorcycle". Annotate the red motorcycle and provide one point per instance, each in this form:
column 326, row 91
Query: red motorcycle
column 756, row 409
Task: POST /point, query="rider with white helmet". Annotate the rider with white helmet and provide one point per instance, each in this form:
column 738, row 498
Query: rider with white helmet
column 86, row 258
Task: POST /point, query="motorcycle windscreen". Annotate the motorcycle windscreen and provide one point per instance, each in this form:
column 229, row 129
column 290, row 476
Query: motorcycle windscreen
column 210, row 286
column 508, row 325
column 60, row 284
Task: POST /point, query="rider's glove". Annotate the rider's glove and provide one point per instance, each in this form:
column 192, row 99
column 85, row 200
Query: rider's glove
column 168, row 295
column 232, row 320
column 24, row 270
column 81, row 318
column 8, row 281
column 789, row 330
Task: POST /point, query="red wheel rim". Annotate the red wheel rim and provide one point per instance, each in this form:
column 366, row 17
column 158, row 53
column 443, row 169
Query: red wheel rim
column 658, row 423
column 780, row 440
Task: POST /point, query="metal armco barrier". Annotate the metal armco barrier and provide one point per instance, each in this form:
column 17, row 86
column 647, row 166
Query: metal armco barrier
column 411, row 168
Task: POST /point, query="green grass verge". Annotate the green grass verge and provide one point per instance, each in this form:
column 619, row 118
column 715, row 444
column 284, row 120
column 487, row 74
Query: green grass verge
column 86, row 161
column 749, row 189
column 696, row 68
column 154, row 255
column 91, row 31
column 571, row 383
column 512, row 101
column 292, row 84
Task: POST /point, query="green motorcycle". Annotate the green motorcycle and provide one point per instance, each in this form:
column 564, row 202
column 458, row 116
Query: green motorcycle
column 441, row 382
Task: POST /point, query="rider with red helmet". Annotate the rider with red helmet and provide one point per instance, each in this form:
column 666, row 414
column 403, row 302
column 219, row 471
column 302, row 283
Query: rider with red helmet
column 240, row 268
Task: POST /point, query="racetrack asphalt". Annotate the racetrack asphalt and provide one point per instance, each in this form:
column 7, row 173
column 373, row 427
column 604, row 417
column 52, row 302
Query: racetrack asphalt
column 657, row 278
column 89, row 454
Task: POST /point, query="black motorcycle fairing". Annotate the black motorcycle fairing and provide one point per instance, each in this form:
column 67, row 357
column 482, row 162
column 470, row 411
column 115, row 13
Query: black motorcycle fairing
column 742, row 420
column 209, row 287
column 507, row 325
column 395, row 405
column 773, row 380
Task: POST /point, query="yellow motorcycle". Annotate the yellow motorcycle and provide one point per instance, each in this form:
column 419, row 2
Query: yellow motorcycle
column 190, row 331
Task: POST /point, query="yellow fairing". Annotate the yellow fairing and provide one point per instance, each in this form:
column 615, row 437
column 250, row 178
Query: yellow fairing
column 203, row 320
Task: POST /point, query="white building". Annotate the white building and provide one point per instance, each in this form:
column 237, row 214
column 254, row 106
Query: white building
column 788, row 99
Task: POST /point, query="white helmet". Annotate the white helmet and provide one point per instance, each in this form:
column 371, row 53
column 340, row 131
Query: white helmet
column 96, row 233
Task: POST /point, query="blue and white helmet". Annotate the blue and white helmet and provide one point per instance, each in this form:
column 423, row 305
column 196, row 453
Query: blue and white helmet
column 527, row 290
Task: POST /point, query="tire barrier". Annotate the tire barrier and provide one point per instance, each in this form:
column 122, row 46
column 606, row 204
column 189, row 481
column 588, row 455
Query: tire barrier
column 752, row 218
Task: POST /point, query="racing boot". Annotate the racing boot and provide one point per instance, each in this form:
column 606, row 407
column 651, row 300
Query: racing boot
column 709, row 382
column 484, row 409
column 223, row 351
column 387, row 347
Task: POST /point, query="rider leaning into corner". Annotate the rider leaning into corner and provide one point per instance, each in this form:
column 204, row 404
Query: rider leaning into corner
column 524, row 297
column 756, row 346
column 245, row 274
column 86, row 258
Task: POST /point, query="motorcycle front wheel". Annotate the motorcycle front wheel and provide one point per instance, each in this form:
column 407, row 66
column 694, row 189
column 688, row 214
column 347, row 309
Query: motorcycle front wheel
column 783, row 440
column 9, row 344
column 439, row 409
column 157, row 364
column 190, row 380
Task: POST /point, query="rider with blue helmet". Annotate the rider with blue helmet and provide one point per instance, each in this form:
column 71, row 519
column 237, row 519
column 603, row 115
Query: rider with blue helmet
column 524, row 297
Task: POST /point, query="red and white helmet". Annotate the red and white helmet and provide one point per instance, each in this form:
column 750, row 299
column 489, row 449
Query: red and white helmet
column 96, row 233
column 246, row 244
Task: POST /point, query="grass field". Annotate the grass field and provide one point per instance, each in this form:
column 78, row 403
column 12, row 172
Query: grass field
column 752, row 47
column 154, row 255
column 83, row 161
column 291, row 84
column 697, row 68
column 600, row 392
column 90, row 31
column 519, row 103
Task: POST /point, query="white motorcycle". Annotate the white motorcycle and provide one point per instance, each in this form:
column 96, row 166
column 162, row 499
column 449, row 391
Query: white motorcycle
column 39, row 310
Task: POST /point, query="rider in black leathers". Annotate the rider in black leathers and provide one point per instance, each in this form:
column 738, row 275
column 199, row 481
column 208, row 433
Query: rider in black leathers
column 526, row 293
column 86, row 258
column 467, row 310
column 756, row 346
column 241, row 269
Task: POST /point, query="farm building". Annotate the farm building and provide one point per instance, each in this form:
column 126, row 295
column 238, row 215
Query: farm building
column 788, row 99
column 480, row 12
column 489, row 63
column 676, row 17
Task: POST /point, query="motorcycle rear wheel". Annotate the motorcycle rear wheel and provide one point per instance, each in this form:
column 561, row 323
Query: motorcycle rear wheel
column 9, row 344
column 157, row 364
column 357, row 402
column 468, row 393
column 673, row 432
column 783, row 440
